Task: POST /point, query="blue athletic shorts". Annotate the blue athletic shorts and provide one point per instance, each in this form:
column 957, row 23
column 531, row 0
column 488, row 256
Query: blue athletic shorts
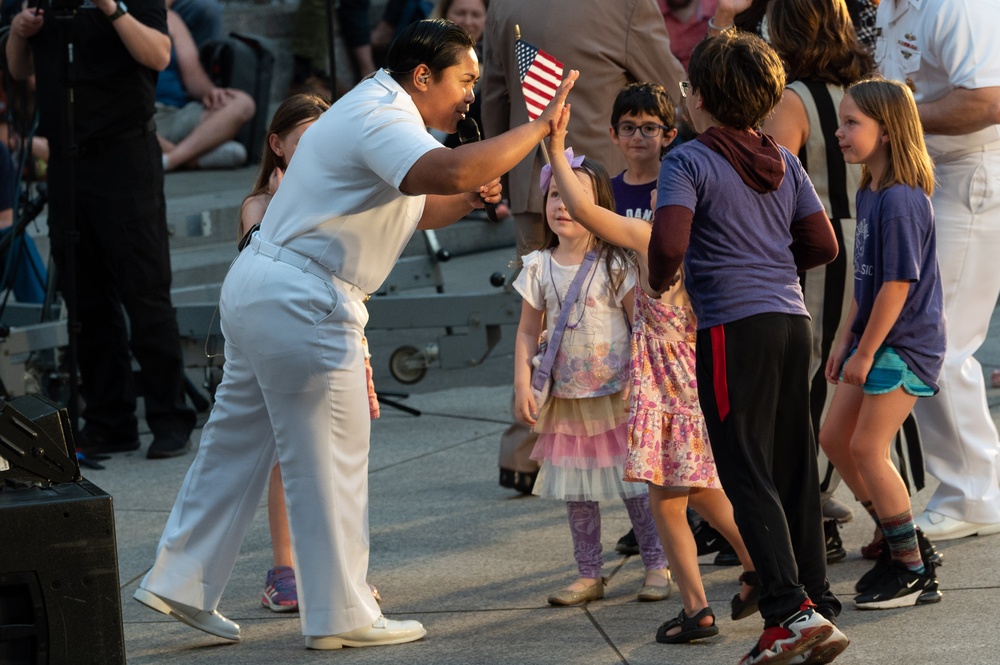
column 889, row 372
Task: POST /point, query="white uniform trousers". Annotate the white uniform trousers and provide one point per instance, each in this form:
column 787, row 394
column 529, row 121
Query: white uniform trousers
column 294, row 388
column 960, row 440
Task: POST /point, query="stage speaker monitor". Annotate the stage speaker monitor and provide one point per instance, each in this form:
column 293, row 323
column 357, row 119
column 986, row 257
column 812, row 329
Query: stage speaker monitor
column 36, row 443
column 60, row 599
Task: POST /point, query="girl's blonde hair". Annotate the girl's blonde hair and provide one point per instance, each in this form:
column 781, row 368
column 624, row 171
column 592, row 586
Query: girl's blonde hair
column 616, row 258
column 891, row 104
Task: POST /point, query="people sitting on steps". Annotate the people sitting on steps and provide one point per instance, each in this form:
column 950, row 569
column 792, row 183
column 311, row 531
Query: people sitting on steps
column 196, row 121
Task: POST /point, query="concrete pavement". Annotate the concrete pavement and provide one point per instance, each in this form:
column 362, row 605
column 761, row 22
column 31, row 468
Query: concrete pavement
column 474, row 562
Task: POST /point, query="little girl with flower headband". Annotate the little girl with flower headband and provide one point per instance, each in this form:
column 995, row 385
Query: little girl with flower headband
column 582, row 439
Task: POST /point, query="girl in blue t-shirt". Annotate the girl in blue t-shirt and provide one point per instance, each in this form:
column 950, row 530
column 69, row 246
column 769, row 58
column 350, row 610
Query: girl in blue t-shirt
column 891, row 347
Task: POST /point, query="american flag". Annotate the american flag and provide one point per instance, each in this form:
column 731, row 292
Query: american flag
column 540, row 76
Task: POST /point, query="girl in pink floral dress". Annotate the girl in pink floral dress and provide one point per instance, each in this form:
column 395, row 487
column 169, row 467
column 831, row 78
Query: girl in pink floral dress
column 582, row 426
column 668, row 443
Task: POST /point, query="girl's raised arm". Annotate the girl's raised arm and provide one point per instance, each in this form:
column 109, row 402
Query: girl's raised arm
column 627, row 232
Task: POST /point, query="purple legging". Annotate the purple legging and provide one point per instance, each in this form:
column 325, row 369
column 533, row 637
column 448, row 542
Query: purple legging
column 585, row 526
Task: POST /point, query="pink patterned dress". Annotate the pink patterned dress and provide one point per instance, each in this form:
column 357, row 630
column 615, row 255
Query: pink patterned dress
column 668, row 442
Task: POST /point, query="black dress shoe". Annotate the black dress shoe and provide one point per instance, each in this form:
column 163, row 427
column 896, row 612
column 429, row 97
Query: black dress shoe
column 92, row 444
column 169, row 444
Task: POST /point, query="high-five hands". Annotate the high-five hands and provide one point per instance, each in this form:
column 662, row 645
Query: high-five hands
column 555, row 106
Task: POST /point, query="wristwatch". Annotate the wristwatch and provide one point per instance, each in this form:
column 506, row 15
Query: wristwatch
column 120, row 10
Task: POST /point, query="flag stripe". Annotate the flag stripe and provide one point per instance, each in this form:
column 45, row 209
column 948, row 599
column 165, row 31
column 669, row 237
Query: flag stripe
column 543, row 94
column 540, row 77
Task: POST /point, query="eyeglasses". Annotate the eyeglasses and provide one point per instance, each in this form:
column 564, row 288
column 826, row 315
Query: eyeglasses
column 650, row 131
column 685, row 87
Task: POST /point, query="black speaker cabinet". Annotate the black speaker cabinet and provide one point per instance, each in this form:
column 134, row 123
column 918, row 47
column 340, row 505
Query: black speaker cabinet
column 60, row 602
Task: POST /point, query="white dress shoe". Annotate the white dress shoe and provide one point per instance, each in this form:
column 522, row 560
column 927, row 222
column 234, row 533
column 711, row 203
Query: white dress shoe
column 383, row 631
column 941, row 527
column 210, row 622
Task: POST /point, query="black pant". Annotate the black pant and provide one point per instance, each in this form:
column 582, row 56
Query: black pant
column 122, row 260
column 753, row 383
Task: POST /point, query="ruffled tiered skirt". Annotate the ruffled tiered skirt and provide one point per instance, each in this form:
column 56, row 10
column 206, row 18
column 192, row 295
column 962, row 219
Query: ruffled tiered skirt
column 582, row 445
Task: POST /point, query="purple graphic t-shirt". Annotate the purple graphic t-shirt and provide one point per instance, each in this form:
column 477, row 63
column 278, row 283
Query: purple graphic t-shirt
column 895, row 241
column 633, row 200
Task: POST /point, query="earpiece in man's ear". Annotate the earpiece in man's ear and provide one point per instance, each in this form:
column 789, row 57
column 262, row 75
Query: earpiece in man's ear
column 423, row 80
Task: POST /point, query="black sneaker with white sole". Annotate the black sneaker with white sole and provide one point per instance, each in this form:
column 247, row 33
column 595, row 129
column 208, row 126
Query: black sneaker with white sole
column 899, row 587
column 932, row 558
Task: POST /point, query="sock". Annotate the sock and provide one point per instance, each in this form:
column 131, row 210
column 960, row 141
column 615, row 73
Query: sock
column 650, row 548
column 901, row 536
column 867, row 505
column 585, row 526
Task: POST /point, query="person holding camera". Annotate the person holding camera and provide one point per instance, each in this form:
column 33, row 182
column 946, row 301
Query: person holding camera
column 107, row 214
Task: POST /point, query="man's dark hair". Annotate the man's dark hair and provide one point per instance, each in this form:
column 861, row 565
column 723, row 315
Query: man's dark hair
column 437, row 43
column 739, row 77
column 639, row 98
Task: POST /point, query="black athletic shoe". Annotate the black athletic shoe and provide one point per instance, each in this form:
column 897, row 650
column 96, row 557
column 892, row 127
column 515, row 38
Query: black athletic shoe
column 899, row 587
column 726, row 556
column 834, row 545
column 627, row 544
column 707, row 539
column 883, row 564
column 932, row 561
column 928, row 553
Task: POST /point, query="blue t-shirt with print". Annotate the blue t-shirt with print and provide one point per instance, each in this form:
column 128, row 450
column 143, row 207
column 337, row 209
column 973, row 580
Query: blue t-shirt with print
column 895, row 241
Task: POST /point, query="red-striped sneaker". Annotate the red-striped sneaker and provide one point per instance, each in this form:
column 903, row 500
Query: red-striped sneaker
column 795, row 636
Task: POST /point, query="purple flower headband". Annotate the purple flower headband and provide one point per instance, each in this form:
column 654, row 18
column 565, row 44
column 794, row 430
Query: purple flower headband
column 546, row 175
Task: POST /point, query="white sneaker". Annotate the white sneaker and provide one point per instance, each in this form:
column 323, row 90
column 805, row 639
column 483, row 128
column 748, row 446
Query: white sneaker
column 824, row 652
column 382, row 632
column 836, row 510
column 941, row 527
column 229, row 155
column 210, row 622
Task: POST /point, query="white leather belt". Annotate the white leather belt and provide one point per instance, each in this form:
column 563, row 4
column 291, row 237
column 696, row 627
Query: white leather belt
column 305, row 264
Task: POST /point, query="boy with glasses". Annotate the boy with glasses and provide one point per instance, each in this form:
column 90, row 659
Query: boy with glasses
column 642, row 126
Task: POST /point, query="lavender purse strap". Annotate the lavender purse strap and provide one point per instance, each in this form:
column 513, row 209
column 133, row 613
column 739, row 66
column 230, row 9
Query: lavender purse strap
column 544, row 370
